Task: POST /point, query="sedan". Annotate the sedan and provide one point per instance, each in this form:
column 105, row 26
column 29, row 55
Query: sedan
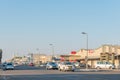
column 8, row 66
column 51, row 65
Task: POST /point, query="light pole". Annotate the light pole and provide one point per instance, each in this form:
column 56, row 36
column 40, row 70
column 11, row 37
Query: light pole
column 86, row 57
column 117, row 55
column 52, row 47
column 38, row 52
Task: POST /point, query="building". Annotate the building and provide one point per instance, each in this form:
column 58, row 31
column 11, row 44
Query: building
column 71, row 58
column 110, row 53
column 19, row 60
column 39, row 58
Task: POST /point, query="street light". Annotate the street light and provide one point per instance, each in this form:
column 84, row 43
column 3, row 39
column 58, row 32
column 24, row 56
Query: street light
column 52, row 50
column 38, row 52
column 86, row 57
column 117, row 55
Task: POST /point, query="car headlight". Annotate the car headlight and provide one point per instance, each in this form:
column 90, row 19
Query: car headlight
column 50, row 66
column 66, row 67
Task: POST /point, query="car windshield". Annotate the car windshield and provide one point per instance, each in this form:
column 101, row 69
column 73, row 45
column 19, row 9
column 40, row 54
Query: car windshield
column 52, row 63
column 9, row 64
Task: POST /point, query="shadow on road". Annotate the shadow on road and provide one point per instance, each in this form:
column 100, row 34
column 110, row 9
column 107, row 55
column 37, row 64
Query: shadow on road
column 26, row 67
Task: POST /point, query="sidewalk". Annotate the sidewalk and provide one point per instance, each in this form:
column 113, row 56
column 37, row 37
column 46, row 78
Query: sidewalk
column 94, row 70
column 86, row 70
column 116, row 70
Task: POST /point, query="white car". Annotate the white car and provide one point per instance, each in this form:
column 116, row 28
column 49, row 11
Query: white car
column 66, row 66
column 104, row 65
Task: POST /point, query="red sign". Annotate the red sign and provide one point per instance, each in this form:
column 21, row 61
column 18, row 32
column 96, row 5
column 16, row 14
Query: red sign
column 73, row 52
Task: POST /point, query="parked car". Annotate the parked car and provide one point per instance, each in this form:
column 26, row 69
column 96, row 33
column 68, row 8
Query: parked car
column 80, row 65
column 59, row 64
column 67, row 66
column 8, row 66
column 15, row 64
column 43, row 65
column 51, row 65
column 76, row 64
column 83, row 65
column 31, row 64
column 105, row 65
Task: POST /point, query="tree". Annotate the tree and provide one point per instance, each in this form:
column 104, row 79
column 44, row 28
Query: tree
column 0, row 55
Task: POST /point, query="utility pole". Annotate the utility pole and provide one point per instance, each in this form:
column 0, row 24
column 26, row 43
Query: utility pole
column 86, row 57
column 52, row 47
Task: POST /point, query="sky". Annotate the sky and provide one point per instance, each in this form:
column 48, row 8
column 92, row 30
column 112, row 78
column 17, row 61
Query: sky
column 30, row 26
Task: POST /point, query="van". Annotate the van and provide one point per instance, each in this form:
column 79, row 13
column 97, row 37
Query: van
column 104, row 65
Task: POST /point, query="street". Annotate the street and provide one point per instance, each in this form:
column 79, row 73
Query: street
column 35, row 73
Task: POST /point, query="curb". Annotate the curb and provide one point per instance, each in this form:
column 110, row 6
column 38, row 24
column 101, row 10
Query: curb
column 92, row 70
column 86, row 70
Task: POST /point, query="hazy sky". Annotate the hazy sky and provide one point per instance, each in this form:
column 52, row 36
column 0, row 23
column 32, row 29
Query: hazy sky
column 26, row 25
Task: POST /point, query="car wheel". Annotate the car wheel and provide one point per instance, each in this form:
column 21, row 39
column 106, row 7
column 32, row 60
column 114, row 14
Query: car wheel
column 64, row 70
column 73, row 70
column 110, row 67
column 98, row 67
column 46, row 68
column 59, row 69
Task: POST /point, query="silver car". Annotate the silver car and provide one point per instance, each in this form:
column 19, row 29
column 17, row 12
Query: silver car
column 51, row 65
column 8, row 66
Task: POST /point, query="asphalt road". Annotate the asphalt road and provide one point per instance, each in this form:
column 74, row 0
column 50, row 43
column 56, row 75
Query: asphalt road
column 34, row 73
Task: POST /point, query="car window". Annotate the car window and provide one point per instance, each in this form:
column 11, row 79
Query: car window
column 68, row 63
column 9, row 64
column 52, row 63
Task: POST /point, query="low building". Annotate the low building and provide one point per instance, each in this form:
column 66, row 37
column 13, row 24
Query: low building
column 110, row 53
column 71, row 58
column 19, row 60
column 39, row 58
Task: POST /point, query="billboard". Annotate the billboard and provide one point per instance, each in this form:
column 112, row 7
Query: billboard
column 73, row 52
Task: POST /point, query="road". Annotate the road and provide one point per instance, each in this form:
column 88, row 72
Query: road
column 34, row 73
